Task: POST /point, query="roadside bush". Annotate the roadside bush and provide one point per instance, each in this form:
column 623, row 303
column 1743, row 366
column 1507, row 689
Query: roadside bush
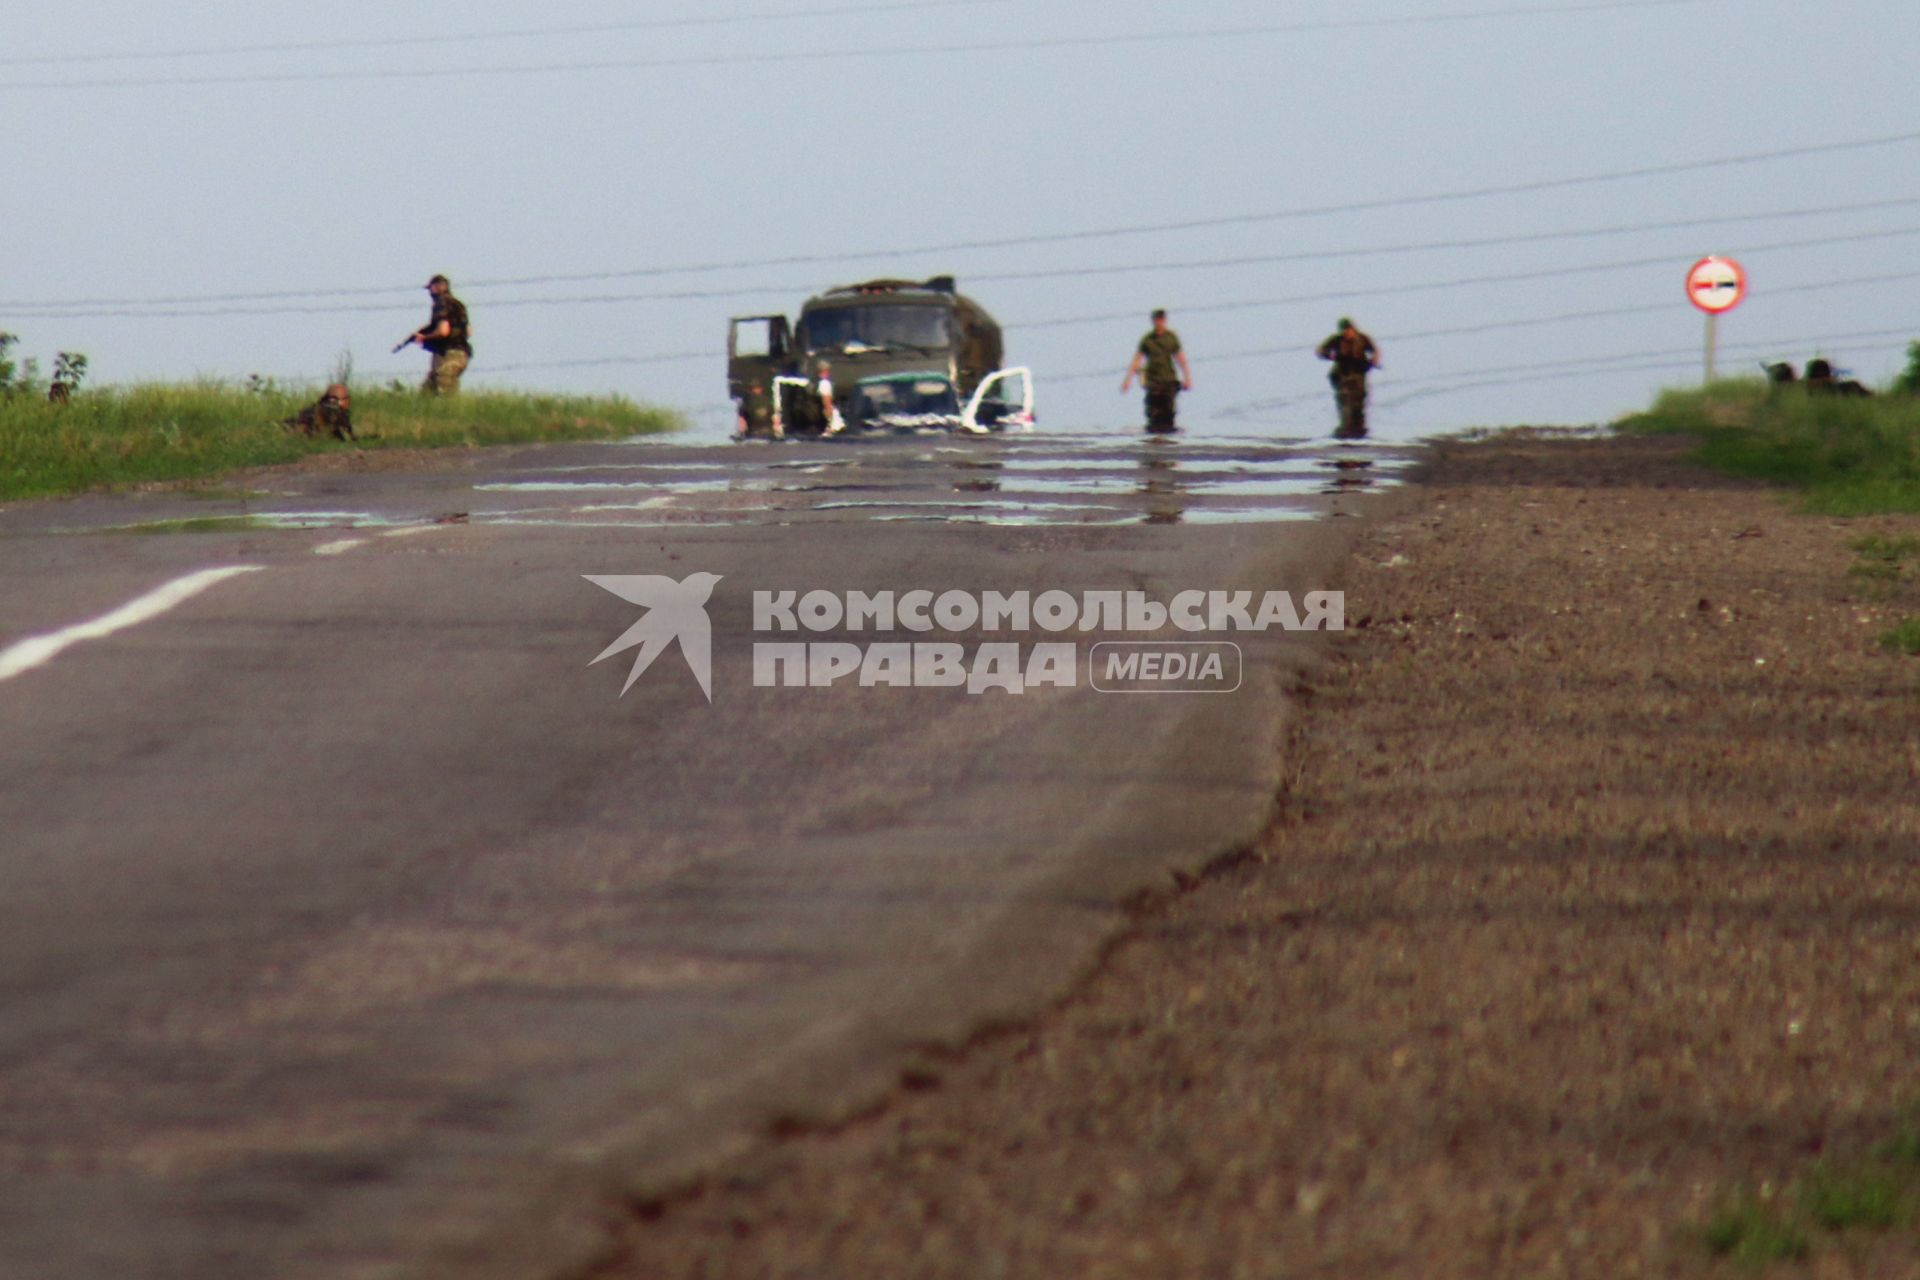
column 1908, row 383
column 1852, row 455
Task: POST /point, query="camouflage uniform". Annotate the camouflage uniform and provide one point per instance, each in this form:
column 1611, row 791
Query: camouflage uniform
column 451, row 353
column 1160, row 377
column 756, row 412
column 329, row 415
column 1353, row 354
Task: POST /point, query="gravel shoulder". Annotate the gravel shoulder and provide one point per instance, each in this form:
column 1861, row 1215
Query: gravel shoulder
column 1592, row 896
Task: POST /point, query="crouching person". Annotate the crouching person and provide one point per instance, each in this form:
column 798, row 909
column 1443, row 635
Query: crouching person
column 331, row 415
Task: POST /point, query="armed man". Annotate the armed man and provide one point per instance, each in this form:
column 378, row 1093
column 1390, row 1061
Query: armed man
column 446, row 336
column 1353, row 354
column 1153, row 363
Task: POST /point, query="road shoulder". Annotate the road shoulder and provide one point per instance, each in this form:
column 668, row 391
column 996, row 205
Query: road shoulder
column 1589, row 899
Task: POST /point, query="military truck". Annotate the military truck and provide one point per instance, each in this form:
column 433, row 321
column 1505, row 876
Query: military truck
column 875, row 334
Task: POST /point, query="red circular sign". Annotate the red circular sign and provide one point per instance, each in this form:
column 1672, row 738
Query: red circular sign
column 1716, row 284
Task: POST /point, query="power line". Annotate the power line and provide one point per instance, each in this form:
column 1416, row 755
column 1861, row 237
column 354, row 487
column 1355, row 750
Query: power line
column 1533, row 322
column 1028, row 45
column 52, row 311
column 1430, row 246
column 60, row 312
column 73, row 304
column 475, row 37
column 1511, row 277
column 1585, row 366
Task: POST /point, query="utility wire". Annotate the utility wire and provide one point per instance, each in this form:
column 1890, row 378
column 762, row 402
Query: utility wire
column 1431, row 246
column 828, row 259
column 475, row 37
column 1395, row 341
column 56, row 312
column 1336, row 295
column 1027, row 45
column 1548, row 370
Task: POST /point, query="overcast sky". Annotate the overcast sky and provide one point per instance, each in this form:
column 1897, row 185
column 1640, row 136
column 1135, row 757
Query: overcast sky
column 1506, row 194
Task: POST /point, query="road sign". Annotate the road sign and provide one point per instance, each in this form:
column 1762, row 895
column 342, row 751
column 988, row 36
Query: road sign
column 1716, row 285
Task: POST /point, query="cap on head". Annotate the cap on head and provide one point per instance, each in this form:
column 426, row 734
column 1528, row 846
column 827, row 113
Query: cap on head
column 1159, row 314
column 439, row 280
column 1345, row 323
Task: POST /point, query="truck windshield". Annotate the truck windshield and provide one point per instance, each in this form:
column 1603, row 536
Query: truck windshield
column 852, row 328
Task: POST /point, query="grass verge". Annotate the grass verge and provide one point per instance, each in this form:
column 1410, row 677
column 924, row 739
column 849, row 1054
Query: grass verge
column 1830, row 1205
column 141, row 434
column 1847, row 455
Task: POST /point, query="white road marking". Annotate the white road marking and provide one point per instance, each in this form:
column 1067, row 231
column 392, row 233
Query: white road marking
column 337, row 548
column 35, row 651
column 409, row 531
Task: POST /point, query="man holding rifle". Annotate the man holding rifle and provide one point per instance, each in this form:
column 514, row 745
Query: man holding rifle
column 445, row 335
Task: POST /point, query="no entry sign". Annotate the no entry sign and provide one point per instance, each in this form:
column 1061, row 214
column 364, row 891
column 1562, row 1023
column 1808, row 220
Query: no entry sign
column 1716, row 285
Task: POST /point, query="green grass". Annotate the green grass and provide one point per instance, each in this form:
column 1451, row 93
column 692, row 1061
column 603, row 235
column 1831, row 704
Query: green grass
column 1903, row 1148
column 1848, row 456
column 1839, row 1199
column 1881, row 560
column 1830, row 1206
column 133, row 435
column 1904, row 638
column 1754, row 1231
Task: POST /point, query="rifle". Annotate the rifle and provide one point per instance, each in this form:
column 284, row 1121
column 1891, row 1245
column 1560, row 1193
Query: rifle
column 410, row 340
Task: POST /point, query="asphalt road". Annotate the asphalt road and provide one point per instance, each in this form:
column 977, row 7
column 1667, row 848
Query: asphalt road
column 355, row 925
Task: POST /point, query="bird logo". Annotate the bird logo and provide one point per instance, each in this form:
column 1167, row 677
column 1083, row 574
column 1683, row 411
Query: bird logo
column 675, row 611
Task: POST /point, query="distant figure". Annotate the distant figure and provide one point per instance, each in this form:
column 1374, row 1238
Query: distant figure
column 1353, row 354
column 331, row 414
column 58, row 392
column 1781, row 374
column 1154, row 364
column 756, row 415
column 447, row 337
column 1820, row 381
column 832, row 424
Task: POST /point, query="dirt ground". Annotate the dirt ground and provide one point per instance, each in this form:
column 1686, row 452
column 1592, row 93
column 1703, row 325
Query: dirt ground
column 1594, row 898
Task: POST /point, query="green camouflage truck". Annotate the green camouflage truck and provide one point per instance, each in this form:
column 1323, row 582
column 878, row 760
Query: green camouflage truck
column 882, row 340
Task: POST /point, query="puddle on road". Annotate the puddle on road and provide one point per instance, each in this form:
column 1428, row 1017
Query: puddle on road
column 587, row 486
column 261, row 520
column 1119, row 479
column 1113, row 480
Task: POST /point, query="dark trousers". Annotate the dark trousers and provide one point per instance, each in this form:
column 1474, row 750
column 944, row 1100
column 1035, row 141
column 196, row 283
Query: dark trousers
column 1160, row 405
column 1350, row 398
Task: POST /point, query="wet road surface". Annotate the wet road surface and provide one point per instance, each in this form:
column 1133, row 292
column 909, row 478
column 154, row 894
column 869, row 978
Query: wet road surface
column 355, row 925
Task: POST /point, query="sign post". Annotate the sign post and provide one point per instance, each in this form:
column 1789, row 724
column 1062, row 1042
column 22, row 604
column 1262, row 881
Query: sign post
column 1716, row 286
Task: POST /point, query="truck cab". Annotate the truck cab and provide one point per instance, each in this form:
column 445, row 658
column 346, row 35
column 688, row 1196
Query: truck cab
column 881, row 329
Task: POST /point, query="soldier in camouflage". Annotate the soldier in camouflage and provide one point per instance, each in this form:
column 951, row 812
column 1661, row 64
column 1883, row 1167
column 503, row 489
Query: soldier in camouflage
column 331, row 415
column 1154, row 363
column 447, row 337
column 1353, row 355
column 756, row 416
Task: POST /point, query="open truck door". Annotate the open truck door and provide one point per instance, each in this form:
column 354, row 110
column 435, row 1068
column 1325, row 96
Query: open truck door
column 1003, row 400
column 758, row 348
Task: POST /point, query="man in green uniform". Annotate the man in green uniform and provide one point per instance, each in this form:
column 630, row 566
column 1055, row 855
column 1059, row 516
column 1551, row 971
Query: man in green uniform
column 756, row 415
column 446, row 336
column 1154, row 364
column 331, row 414
column 1353, row 354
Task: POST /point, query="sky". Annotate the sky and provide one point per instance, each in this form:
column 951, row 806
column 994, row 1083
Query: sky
column 1507, row 194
